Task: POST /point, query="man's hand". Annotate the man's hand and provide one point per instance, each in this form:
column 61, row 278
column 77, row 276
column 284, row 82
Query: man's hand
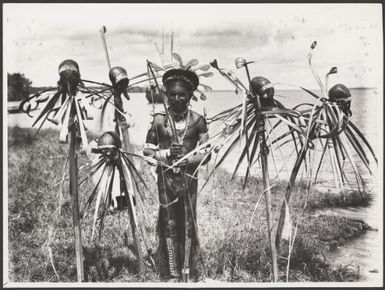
column 183, row 163
column 176, row 151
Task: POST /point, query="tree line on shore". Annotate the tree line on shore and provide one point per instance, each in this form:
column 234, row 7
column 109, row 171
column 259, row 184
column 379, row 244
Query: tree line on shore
column 20, row 87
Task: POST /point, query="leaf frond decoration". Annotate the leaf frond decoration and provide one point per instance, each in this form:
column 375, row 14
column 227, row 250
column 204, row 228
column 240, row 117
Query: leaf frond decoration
column 105, row 168
column 327, row 121
column 242, row 123
column 70, row 95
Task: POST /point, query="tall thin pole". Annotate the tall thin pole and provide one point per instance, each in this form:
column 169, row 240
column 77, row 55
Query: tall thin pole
column 162, row 56
column 160, row 53
column 122, row 124
column 172, row 45
column 172, row 123
column 103, row 31
column 293, row 176
column 266, row 188
column 73, row 171
column 266, row 180
column 162, row 40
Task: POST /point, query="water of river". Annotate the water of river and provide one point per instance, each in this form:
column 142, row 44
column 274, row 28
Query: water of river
column 366, row 251
column 363, row 107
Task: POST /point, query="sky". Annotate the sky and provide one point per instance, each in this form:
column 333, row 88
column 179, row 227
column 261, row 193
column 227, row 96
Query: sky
column 277, row 37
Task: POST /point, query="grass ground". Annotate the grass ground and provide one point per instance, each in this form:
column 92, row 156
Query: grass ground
column 234, row 248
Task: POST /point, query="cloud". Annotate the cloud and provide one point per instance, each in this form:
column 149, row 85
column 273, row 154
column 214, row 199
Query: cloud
column 230, row 37
column 282, row 36
column 37, row 38
column 146, row 32
column 217, row 32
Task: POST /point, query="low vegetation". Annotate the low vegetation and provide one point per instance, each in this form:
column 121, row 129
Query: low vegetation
column 232, row 232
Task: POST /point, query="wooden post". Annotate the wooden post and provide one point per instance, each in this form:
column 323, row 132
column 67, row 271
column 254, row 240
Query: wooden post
column 289, row 188
column 73, row 171
column 122, row 124
column 266, row 181
column 293, row 176
column 266, row 189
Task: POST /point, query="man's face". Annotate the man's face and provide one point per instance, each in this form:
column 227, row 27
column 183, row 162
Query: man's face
column 178, row 96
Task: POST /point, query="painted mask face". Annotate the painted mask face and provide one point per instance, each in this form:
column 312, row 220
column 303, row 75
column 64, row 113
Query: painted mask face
column 341, row 95
column 111, row 155
column 345, row 106
column 263, row 88
column 178, row 96
column 119, row 79
column 266, row 94
column 109, row 144
column 69, row 76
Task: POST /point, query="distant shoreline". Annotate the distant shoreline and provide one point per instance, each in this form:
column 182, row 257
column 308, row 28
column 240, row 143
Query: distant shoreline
column 225, row 91
column 142, row 89
column 312, row 89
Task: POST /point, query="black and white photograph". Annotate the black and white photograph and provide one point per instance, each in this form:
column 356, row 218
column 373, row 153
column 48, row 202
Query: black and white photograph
column 192, row 145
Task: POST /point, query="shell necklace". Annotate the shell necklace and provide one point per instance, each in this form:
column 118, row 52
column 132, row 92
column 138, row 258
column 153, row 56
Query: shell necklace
column 181, row 126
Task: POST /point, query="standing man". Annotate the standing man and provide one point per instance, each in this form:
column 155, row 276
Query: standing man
column 172, row 135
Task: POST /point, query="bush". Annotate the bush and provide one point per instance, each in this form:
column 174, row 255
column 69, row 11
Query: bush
column 18, row 87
